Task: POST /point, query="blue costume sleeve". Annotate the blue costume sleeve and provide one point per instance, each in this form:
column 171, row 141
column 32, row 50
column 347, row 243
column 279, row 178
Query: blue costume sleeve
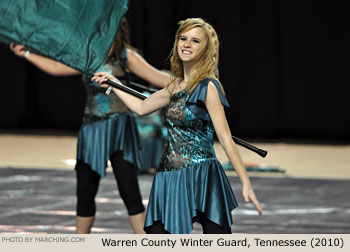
column 196, row 100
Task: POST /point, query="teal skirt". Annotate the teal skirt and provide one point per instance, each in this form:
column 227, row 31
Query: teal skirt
column 98, row 140
column 177, row 196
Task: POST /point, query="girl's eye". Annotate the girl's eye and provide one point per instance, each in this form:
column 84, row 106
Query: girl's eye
column 196, row 41
column 183, row 39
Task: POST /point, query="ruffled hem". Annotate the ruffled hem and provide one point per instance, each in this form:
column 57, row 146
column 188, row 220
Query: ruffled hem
column 97, row 141
column 176, row 196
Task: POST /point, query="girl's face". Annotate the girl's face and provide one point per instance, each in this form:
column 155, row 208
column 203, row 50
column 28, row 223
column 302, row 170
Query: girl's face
column 190, row 45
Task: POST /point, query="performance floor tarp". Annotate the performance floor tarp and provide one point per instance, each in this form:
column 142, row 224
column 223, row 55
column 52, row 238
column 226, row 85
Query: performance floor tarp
column 43, row 201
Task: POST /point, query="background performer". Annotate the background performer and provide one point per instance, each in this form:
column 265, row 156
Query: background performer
column 108, row 131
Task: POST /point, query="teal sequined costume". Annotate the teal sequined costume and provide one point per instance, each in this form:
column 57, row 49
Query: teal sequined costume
column 190, row 179
column 108, row 126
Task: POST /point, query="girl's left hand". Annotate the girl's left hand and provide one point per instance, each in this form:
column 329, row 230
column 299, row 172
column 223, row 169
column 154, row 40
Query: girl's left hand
column 249, row 196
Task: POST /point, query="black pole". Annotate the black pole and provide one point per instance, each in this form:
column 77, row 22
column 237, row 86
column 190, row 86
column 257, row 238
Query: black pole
column 126, row 89
column 246, row 145
column 148, row 89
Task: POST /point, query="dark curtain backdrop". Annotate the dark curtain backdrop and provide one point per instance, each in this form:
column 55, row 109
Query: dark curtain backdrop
column 283, row 63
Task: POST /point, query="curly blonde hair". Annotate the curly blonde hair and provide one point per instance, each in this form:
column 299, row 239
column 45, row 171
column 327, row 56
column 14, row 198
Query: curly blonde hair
column 208, row 63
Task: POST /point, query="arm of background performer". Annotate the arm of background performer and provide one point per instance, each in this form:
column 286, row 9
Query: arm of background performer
column 144, row 70
column 45, row 64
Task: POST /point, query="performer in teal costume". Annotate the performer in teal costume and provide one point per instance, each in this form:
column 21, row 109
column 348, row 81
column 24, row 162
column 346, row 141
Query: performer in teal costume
column 191, row 184
column 109, row 130
column 189, row 168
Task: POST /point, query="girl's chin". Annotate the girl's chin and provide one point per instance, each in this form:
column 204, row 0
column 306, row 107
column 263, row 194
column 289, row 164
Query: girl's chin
column 186, row 58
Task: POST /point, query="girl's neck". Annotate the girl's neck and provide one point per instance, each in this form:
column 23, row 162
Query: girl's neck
column 188, row 70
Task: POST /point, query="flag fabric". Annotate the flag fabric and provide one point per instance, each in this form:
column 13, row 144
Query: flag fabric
column 78, row 33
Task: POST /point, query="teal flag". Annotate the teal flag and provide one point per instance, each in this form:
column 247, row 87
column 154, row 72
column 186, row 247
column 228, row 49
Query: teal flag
column 77, row 33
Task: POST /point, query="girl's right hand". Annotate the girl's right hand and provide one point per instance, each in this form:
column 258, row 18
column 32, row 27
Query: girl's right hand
column 101, row 77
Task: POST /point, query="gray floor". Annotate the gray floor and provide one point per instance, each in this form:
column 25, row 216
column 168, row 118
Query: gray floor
column 43, row 201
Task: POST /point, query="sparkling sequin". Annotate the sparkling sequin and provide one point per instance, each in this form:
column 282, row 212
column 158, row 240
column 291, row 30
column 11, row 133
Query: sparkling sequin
column 189, row 139
column 100, row 106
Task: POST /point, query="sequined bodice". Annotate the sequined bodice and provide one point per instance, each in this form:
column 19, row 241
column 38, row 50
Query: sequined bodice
column 189, row 139
column 99, row 105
